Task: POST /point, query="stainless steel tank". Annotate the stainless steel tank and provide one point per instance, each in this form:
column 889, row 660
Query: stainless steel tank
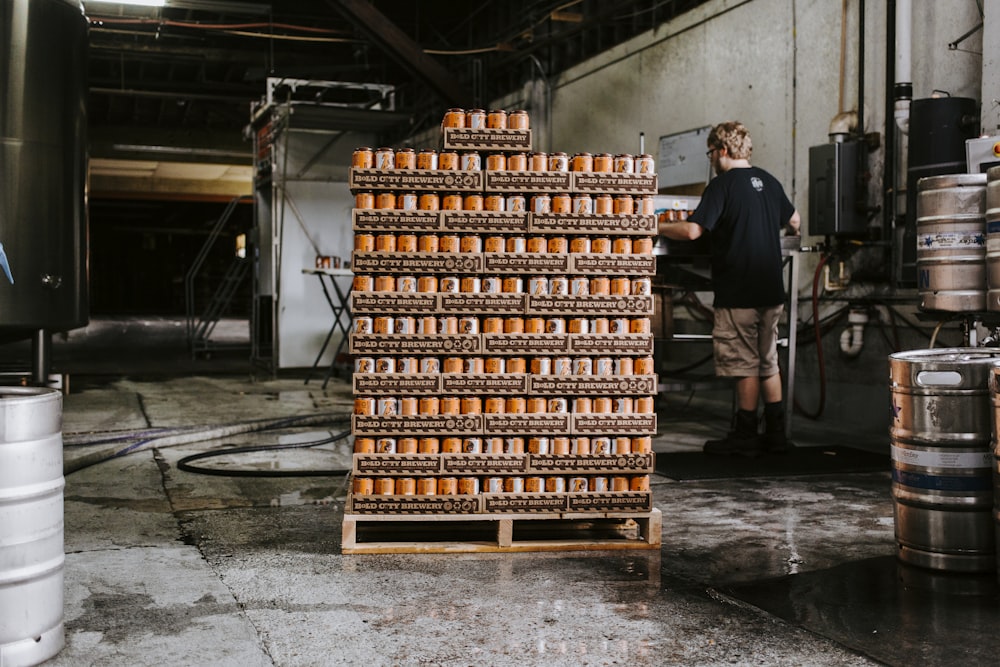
column 31, row 525
column 942, row 486
column 993, row 239
column 951, row 242
column 43, row 231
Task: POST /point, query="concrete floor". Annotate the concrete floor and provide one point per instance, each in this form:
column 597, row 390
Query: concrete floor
column 171, row 567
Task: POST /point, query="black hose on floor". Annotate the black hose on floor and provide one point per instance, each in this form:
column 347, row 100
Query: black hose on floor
column 185, row 463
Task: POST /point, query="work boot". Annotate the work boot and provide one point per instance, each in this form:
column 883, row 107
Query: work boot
column 741, row 441
column 774, row 440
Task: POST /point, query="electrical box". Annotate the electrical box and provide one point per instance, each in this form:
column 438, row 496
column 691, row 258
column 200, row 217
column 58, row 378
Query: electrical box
column 833, row 189
column 982, row 153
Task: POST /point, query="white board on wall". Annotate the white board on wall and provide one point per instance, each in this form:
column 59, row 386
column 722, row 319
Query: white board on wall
column 682, row 159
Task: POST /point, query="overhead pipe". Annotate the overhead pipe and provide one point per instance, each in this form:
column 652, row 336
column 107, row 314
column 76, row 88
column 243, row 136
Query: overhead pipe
column 902, row 91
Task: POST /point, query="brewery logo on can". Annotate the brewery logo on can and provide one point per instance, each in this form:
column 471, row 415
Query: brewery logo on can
column 475, row 119
column 385, row 158
column 430, row 364
column 428, row 243
column 449, row 161
column 429, row 405
column 513, row 445
column 561, row 203
column 471, row 162
column 427, row 158
column 449, row 243
column 363, row 158
column 364, row 445
column 517, row 120
column 364, row 365
column 406, row 158
column 517, row 244
column 559, row 285
column 385, row 365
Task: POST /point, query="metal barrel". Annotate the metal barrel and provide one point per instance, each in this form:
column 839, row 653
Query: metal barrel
column 31, row 525
column 951, row 242
column 993, row 239
column 942, row 487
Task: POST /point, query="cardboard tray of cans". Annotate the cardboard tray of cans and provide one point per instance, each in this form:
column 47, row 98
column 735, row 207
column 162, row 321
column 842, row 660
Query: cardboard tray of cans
column 432, row 384
column 549, row 503
column 443, row 180
column 469, row 180
column 419, row 465
column 626, row 424
column 486, row 139
column 407, row 303
column 501, row 222
column 363, row 262
column 501, row 344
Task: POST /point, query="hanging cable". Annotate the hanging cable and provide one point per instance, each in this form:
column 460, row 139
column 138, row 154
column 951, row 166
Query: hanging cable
column 185, row 463
column 819, row 345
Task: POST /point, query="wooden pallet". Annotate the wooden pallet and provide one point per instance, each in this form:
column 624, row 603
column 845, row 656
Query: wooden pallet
column 494, row 533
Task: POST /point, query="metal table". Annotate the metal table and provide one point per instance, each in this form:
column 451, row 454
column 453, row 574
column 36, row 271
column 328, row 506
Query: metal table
column 340, row 307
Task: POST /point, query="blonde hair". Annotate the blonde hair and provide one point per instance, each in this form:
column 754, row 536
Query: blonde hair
column 734, row 137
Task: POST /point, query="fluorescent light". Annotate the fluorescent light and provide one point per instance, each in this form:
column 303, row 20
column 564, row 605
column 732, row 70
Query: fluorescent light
column 135, row 3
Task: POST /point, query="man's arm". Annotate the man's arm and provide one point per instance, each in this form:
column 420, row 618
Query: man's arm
column 793, row 224
column 680, row 230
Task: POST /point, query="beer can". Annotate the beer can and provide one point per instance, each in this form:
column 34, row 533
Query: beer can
column 601, row 244
column 406, row 158
column 537, row 244
column 600, row 325
column 385, row 284
column 604, row 367
column 644, row 164
column 429, row 201
column 538, row 161
column 555, row 484
column 429, row 405
column 472, row 405
column 451, row 405
column 496, row 162
column 583, row 204
column 618, row 325
column 517, row 244
column 475, row 119
column 600, row 285
column 453, row 365
column 646, row 205
column 363, row 158
column 579, row 325
column 515, row 405
column 604, row 163
column 385, row 243
column 385, row 200
column 493, row 365
column 468, row 486
column 468, row 324
column 430, row 364
column 385, row 365
column 642, row 286
column 407, row 201
column 385, row 446
column 557, row 244
column 541, row 366
column 471, row 161
column 582, row 162
column 638, row 483
column 517, row 120
column 407, row 365
column 644, row 405
column 408, row 406
column 427, row 158
column 364, row 445
column 447, row 324
column 581, row 405
column 449, row 161
column 583, row 366
column 493, row 445
column 534, row 325
column 561, row 203
column 541, row 203
column 621, row 286
column 406, row 486
column 406, row 445
column 470, row 285
column 534, row 484
column 558, row 285
column 579, row 244
column 579, row 286
column 363, row 324
column 623, row 365
column 364, row 365
column 451, row 445
column 622, row 246
column 364, row 243
column 447, row 486
column 472, row 445
column 428, row 243
column 385, row 159
column 406, row 284
column 562, row 366
column 516, row 365
column 454, row 118
column 555, row 325
column 363, row 486
column 513, row 445
column 364, row 200
column 452, row 202
column 558, row 405
column 494, row 405
column 449, row 285
column 512, row 285
column 496, row 119
column 427, row 285
column 577, row 485
column 558, row 161
column 538, row 285
column 624, row 205
column 491, row 285
column 598, row 484
column 601, row 405
column 560, row 446
column 604, row 205
column 642, row 246
column 492, row 325
column 536, row 405
column 382, row 325
column 624, row 163
column 517, row 162
column 515, row 203
column 600, row 446
column 474, row 365
column 493, row 485
column 619, row 483
column 513, row 325
column 644, row 366
column 494, row 243
column 426, row 486
column 642, row 445
column 639, row 325
column 580, row 446
column 387, row 406
column 494, row 202
column 513, row 485
column 622, row 445
column 472, row 202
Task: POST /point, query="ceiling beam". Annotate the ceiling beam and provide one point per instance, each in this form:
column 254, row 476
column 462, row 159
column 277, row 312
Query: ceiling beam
column 398, row 45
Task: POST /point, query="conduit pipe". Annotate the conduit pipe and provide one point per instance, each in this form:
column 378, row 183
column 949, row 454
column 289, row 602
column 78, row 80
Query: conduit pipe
column 903, row 88
column 852, row 339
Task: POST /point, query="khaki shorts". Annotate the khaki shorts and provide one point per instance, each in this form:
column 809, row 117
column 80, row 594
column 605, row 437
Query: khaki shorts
column 745, row 341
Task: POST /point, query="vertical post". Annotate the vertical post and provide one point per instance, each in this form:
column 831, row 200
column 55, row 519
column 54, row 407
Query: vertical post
column 41, row 357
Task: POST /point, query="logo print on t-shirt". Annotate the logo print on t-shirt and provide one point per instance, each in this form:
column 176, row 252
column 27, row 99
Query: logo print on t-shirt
column 757, row 184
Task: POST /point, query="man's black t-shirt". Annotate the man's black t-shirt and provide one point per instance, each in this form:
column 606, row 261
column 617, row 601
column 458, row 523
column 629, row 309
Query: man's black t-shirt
column 744, row 209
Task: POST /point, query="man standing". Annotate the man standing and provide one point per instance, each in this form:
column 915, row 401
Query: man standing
column 744, row 209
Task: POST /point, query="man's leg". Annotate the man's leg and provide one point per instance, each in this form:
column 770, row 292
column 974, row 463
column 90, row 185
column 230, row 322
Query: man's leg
column 774, row 439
